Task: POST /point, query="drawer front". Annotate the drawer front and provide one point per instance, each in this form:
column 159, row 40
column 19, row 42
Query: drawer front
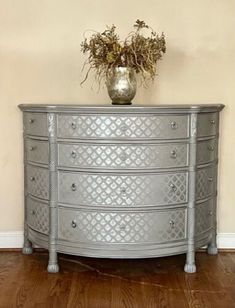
column 204, row 216
column 35, row 124
column 37, row 151
column 121, row 227
column 38, row 215
column 123, row 127
column 37, row 181
column 208, row 124
column 206, row 151
column 122, row 190
column 123, row 156
column 205, row 182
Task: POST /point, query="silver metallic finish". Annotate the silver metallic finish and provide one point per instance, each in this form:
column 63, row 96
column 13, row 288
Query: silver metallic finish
column 121, row 85
column 53, row 264
column 119, row 181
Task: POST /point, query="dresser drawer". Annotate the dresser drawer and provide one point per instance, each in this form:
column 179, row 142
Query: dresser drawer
column 37, row 215
column 37, row 181
column 37, row 151
column 206, row 151
column 204, row 217
column 121, row 227
column 205, row 182
column 122, row 190
column 123, row 156
column 123, row 126
column 35, row 124
column 207, row 124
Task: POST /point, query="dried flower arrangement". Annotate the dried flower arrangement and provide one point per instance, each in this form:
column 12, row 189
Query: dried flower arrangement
column 106, row 51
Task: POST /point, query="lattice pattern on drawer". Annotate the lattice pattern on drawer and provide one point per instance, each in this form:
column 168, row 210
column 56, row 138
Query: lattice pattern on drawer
column 122, row 190
column 111, row 126
column 37, row 181
column 117, row 227
column 204, row 216
column 208, row 124
column 123, row 156
column 38, row 215
column 37, row 151
column 204, row 183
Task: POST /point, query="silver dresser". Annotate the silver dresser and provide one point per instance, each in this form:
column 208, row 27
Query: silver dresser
column 120, row 181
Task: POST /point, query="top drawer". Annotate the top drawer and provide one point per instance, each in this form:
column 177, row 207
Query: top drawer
column 35, row 124
column 208, row 124
column 123, row 126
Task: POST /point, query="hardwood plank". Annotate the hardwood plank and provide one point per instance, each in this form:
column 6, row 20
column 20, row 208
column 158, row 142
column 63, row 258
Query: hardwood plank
column 106, row 283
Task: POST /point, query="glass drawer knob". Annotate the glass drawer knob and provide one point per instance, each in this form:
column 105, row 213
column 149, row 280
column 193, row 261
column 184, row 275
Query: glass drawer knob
column 210, row 148
column 73, row 224
column 174, row 125
column 73, row 154
column 122, row 227
column 210, row 179
column 212, row 122
column 32, row 148
column 73, row 187
column 173, row 187
column 73, row 125
column 123, row 156
column 173, row 154
column 123, row 128
column 31, row 121
column 32, row 178
column 32, row 212
column 210, row 213
column 172, row 223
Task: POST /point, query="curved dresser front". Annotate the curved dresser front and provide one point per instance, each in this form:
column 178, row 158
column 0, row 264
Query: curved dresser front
column 121, row 181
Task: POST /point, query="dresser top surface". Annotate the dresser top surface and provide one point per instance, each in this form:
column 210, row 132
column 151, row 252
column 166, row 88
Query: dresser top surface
column 135, row 108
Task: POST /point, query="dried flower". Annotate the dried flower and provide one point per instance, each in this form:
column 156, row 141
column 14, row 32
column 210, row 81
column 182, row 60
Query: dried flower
column 106, row 51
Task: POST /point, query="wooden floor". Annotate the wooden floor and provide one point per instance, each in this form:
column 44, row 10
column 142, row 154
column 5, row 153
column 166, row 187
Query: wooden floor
column 103, row 283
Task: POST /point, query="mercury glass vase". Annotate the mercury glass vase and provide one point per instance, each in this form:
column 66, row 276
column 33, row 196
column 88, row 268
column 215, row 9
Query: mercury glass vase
column 121, row 85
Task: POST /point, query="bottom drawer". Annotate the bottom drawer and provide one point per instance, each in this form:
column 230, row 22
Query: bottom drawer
column 122, row 227
column 38, row 215
column 204, row 216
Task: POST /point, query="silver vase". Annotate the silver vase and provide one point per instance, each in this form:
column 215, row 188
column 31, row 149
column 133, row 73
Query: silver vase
column 121, row 85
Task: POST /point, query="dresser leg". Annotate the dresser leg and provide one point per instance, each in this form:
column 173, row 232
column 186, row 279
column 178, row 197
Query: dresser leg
column 27, row 248
column 212, row 246
column 190, row 266
column 53, row 266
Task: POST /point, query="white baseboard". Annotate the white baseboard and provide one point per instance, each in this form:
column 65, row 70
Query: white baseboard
column 14, row 239
column 11, row 239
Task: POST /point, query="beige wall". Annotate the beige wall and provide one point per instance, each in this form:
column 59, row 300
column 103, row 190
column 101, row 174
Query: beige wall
column 40, row 62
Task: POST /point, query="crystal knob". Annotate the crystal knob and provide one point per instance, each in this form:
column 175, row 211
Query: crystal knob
column 124, row 128
column 172, row 223
column 73, row 154
column 31, row 148
column 173, row 187
column 210, row 148
column 210, row 179
column 32, row 212
column 31, row 121
column 123, row 191
column 173, row 154
column 212, row 121
column 122, row 227
column 32, row 178
column 210, row 213
column 74, row 224
column 123, row 156
column 174, row 125
column 73, row 187
column 73, row 125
